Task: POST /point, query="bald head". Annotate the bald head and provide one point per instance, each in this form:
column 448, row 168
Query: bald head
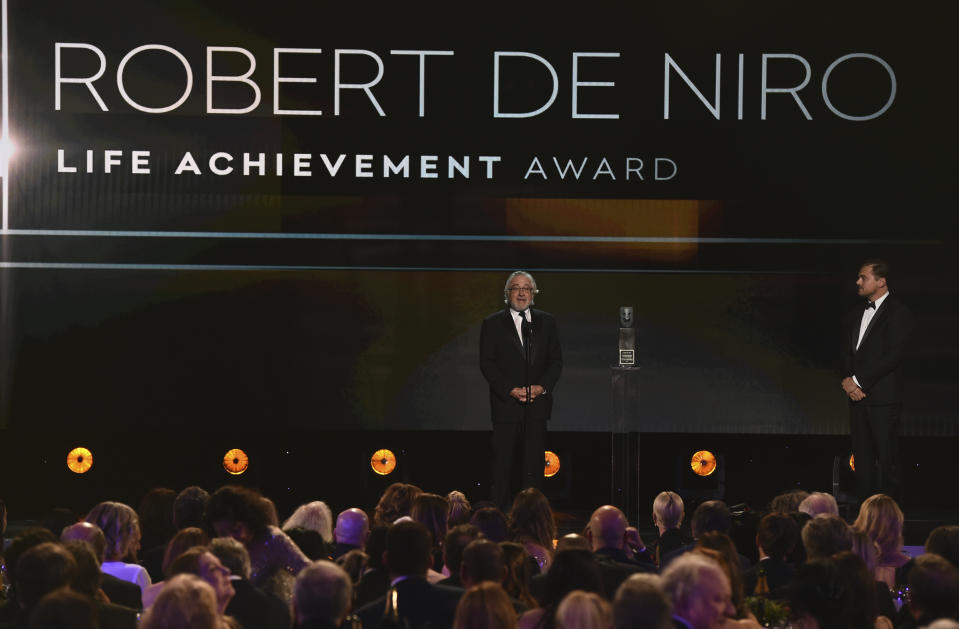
column 89, row 533
column 607, row 528
column 352, row 527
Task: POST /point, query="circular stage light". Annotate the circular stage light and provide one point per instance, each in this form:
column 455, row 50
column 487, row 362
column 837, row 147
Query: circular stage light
column 383, row 462
column 703, row 463
column 80, row 460
column 852, row 462
column 235, row 461
column 552, row 464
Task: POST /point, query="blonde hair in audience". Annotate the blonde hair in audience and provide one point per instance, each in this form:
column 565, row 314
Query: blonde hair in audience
column 881, row 519
column 120, row 527
column 668, row 510
column 584, row 610
column 485, row 606
column 185, row 602
column 315, row 516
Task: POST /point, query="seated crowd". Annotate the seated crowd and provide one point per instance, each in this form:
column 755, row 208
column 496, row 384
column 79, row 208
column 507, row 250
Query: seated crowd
column 199, row 561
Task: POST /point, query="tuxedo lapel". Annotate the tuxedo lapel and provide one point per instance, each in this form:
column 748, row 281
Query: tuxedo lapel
column 876, row 318
column 511, row 330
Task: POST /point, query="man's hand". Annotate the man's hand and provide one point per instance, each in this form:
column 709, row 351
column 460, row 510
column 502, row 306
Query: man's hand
column 519, row 393
column 857, row 394
column 849, row 385
column 633, row 541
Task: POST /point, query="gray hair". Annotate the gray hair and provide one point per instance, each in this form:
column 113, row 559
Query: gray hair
column 640, row 603
column 818, row 503
column 513, row 276
column 682, row 577
column 669, row 509
column 324, row 592
column 233, row 555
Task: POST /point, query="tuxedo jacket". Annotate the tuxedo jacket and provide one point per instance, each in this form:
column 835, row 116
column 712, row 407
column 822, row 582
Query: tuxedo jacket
column 503, row 363
column 420, row 603
column 877, row 364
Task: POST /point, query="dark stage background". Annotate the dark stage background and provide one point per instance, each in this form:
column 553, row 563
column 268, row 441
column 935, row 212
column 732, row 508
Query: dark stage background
column 161, row 302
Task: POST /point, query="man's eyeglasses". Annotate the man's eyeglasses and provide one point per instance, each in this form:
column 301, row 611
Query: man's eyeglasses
column 517, row 289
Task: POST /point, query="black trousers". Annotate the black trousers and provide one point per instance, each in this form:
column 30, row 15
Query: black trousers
column 875, row 444
column 518, row 459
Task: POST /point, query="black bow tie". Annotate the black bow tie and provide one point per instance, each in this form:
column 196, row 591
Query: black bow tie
column 870, row 304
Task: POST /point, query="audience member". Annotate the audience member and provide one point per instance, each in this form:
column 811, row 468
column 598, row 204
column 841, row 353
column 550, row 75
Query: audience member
column 518, row 573
column 251, row 606
column 866, row 549
column 184, row 540
column 719, row 548
column 376, row 580
column 492, row 523
column 934, row 584
column 788, row 502
column 189, row 506
column 395, row 502
column 668, row 514
column 457, row 539
column 856, row 577
column 121, row 528
column 944, row 541
column 584, row 610
column 65, row 609
column 460, row 509
column 826, row 535
column 712, row 515
column 86, row 581
column 819, row 503
column 10, row 609
column 881, row 519
column 531, row 524
column 433, row 512
column 315, row 516
column 606, row 534
column 309, row 542
column 239, row 513
column 42, row 569
column 322, row 596
column 117, row 590
column 354, row 563
column 482, row 560
column 640, row 603
column 408, row 557
column 352, row 529
column 818, row 597
column 155, row 513
column 699, row 592
column 572, row 569
column 776, row 537
column 186, row 602
column 485, row 606
column 572, row 540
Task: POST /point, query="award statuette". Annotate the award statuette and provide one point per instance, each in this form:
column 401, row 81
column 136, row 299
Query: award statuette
column 627, row 337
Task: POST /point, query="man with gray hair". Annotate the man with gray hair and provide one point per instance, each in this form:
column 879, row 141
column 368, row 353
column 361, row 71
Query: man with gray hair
column 819, row 503
column 521, row 360
column 699, row 592
column 322, row 596
column 826, row 535
column 251, row 606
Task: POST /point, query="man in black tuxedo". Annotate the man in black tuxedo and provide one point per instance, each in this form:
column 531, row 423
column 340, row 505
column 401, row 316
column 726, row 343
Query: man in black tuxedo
column 874, row 340
column 520, row 393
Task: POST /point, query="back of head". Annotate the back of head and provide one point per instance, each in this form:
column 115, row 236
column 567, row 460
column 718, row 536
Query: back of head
column 518, row 572
column 491, row 522
column 817, row 592
column 64, row 609
column 233, row 555
column 23, row 542
column 323, row 594
column 309, row 541
column 352, row 527
column 457, row 539
column 409, row 549
column 460, row 508
column 119, row 524
column 668, row 510
column 185, row 602
column 859, row 580
column 233, row 503
column 682, row 578
column 395, row 502
column 184, row 540
column 86, row 579
column 315, row 516
column 485, row 606
column 155, row 512
column 89, row 533
column 881, row 518
column 483, row 560
column 640, row 603
column 935, row 587
column 607, row 528
column 826, row 535
column 777, row 535
column 711, row 515
column 584, row 610
column 188, row 507
column 531, row 518
column 819, row 503
column 187, row 563
column 42, row 569
column 572, row 569
column 788, row 502
column 433, row 512
column 376, row 546
column 944, row 541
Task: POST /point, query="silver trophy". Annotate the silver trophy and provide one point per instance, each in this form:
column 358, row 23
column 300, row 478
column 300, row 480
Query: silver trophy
column 627, row 337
